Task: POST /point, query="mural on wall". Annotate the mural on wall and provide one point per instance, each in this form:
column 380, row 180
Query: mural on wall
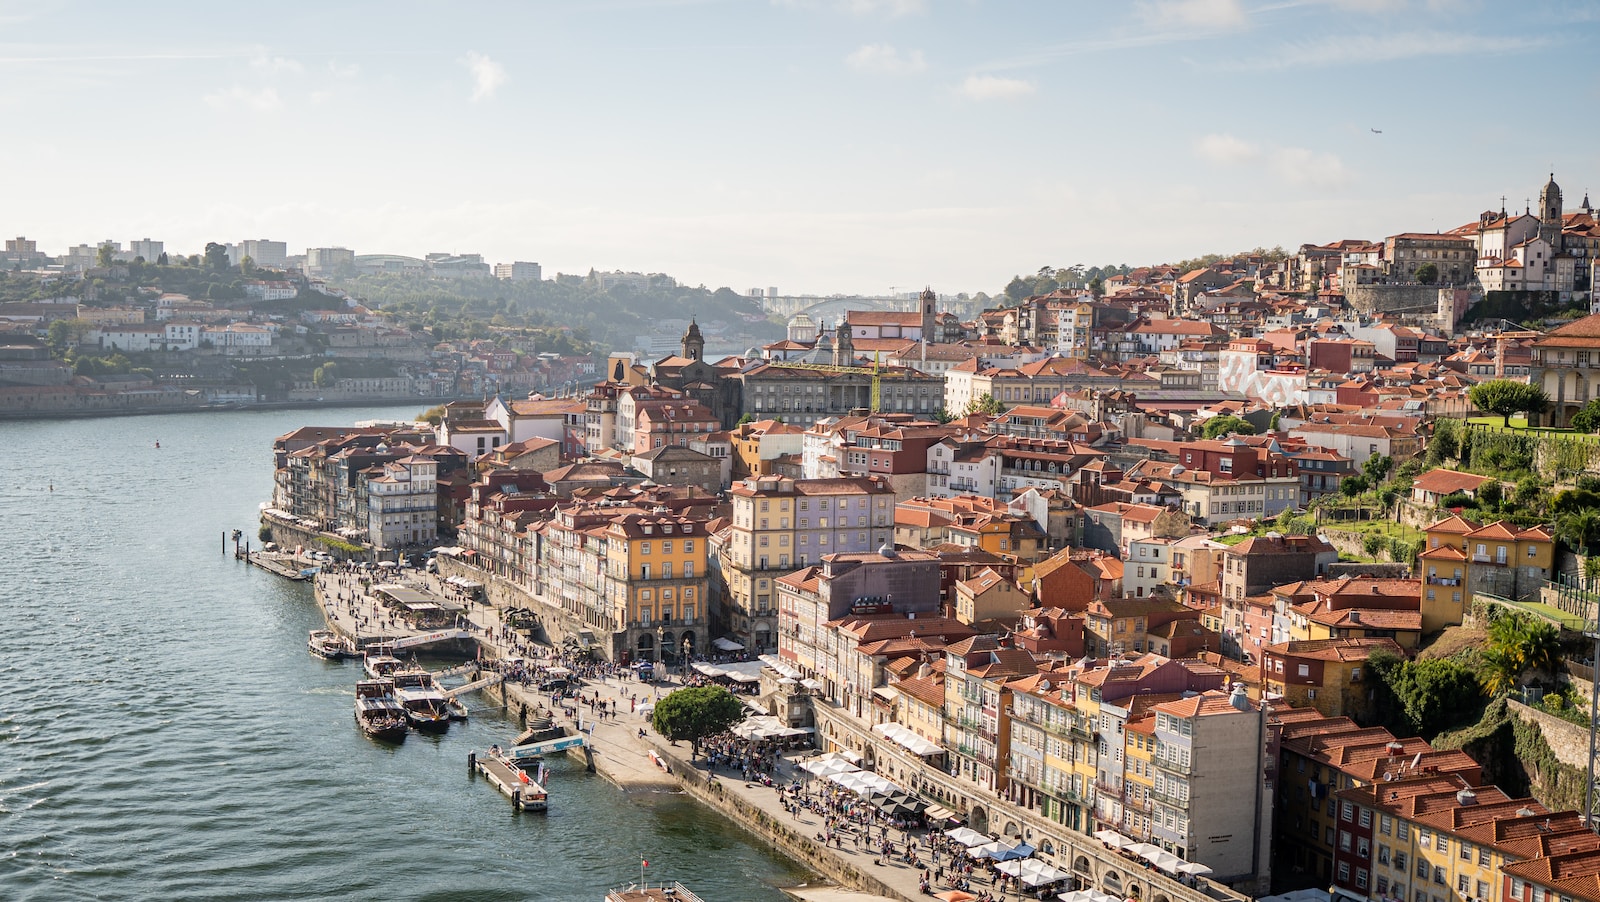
column 1238, row 373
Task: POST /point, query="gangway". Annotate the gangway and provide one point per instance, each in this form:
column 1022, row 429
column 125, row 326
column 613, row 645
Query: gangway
column 474, row 685
column 540, row 749
column 429, row 639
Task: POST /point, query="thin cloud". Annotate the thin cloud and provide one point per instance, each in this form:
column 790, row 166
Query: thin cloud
column 1348, row 49
column 1213, row 14
column 487, row 76
column 1299, row 166
column 264, row 100
column 1290, row 165
column 994, row 87
column 275, row 64
column 886, row 59
column 1225, row 150
column 343, row 70
column 891, row 9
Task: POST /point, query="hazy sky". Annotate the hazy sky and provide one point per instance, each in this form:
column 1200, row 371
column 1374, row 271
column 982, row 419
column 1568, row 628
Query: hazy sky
column 814, row 145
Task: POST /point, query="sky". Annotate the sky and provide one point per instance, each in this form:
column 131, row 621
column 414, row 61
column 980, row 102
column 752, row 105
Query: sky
column 815, row 146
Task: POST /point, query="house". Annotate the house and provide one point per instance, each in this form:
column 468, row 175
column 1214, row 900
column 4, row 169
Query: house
column 1434, row 485
column 989, row 596
column 1325, row 674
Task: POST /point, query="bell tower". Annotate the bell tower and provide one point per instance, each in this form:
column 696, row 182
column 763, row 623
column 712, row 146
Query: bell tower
column 694, row 344
column 930, row 315
column 844, row 351
column 1550, row 213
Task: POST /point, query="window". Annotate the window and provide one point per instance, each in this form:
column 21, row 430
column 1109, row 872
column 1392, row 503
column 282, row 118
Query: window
column 644, row 547
column 1463, row 885
column 1383, row 854
column 1344, row 840
column 1400, row 861
column 1365, row 817
column 1363, row 850
column 1466, row 853
column 1438, row 875
column 1385, row 824
column 1347, row 812
column 1483, row 859
column 1344, row 872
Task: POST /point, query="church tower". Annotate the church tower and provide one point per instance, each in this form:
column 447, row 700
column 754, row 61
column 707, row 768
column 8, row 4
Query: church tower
column 844, row 351
column 694, row 344
column 930, row 315
column 1550, row 213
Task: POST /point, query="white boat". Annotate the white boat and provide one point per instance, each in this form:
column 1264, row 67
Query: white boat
column 382, row 667
column 426, row 707
column 329, row 644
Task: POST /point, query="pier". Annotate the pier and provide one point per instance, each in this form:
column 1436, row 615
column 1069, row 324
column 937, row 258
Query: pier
column 513, row 781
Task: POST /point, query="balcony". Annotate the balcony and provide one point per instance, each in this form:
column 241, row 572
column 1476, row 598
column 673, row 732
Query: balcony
column 1172, row 764
column 1167, row 798
column 1444, row 581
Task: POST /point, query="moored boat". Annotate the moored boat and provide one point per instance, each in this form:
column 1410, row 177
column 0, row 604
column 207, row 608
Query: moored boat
column 382, row 667
column 380, row 716
column 329, row 644
column 426, row 707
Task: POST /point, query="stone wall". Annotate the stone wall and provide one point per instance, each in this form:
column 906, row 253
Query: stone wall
column 1383, row 298
column 290, row 535
column 1567, row 740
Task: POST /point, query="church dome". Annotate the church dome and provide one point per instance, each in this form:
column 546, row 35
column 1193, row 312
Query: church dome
column 693, row 331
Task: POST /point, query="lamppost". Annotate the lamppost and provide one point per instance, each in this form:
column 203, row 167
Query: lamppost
column 688, row 647
column 661, row 653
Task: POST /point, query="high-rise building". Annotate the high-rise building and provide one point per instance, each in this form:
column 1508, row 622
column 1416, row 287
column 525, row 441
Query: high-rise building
column 270, row 254
column 327, row 260
column 151, row 251
column 518, row 271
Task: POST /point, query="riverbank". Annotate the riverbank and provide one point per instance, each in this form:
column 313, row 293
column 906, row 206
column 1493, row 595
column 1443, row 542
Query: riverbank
column 619, row 747
column 423, row 403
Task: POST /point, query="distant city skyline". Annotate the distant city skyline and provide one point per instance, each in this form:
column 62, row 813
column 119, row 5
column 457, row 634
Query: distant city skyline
column 819, row 146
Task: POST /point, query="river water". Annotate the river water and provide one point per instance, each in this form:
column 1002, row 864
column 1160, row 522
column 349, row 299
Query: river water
column 164, row 733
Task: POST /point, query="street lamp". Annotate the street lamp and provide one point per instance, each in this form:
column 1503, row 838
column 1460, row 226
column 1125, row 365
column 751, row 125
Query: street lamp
column 688, row 647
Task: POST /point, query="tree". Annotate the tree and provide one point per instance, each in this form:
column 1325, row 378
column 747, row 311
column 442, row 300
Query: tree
column 105, row 256
column 1351, row 486
column 162, row 260
column 1377, row 467
column 1097, row 287
column 1277, row 417
column 247, row 265
column 216, row 256
column 1504, row 397
column 747, row 418
column 943, row 416
column 985, row 404
column 325, row 376
column 1579, row 529
column 696, row 713
column 433, row 415
column 1430, row 694
column 1427, row 274
column 1226, row 425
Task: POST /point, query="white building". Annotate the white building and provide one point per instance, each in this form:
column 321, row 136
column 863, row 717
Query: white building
column 962, row 468
column 1211, row 803
column 322, row 260
column 403, row 504
column 151, row 251
column 270, row 254
column 518, row 271
column 1149, row 564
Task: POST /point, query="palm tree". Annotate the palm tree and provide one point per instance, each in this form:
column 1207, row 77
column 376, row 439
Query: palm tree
column 1499, row 673
column 1541, row 646
column 1579, row 529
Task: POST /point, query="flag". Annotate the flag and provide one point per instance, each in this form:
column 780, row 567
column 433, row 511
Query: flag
column 643, row 863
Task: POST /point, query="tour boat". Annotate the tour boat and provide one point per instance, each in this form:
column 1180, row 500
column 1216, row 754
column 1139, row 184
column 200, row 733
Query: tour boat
column 380, row 716
column 382, row 667
column 426, row 707
column 329, row 644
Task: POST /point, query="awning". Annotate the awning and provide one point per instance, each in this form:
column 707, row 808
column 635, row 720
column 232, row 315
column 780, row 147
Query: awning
column 1113, row 839
column 939, row 813
column 906, row 738
column 728, row 645
column 782, row 667
column 966, row 836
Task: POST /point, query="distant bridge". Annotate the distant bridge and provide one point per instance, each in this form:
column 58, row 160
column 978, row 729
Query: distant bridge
column 819, row 308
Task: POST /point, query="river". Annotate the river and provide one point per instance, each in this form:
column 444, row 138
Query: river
column 164, row 733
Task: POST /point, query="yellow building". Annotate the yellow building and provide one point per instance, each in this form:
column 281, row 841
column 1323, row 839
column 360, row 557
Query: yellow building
column 1050, row 740
column 1138, row 777
column 1499, row 559
column 656, row 582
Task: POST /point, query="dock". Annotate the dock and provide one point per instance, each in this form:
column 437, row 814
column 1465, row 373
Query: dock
column 279, row 564
column 525, row 794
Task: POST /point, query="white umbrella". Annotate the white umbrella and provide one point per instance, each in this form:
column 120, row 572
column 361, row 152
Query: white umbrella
column 1112, row 838
column 1037, row 873
column 1193, row 868
column 966, row 836
column 1087, row 895
column 1166, row 861
column 990, row 850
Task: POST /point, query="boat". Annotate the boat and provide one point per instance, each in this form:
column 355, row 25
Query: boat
column 382, row 667
column 379, row 715
column 329, row 644
column 426, row 707
column 652, row 892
